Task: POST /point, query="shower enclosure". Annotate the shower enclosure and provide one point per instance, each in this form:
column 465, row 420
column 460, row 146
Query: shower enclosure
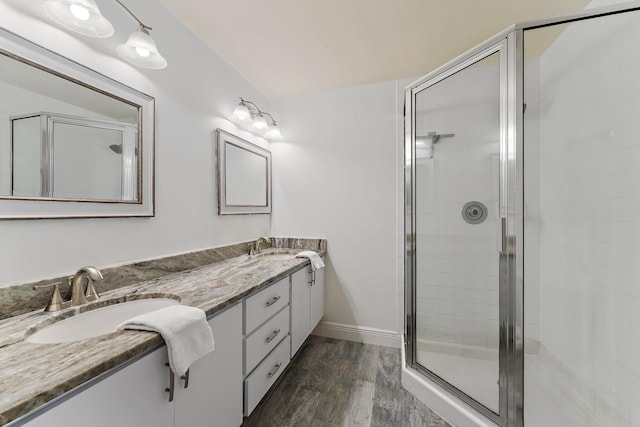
column 522, row 182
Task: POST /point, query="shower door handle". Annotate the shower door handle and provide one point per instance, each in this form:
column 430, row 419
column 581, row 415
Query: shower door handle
column 501, row 240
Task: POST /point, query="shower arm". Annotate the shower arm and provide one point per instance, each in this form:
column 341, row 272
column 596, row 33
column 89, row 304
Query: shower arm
column 435, row 137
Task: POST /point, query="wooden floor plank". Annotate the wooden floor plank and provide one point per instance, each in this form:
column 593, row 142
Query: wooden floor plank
column 342, row 383
column 360, row 404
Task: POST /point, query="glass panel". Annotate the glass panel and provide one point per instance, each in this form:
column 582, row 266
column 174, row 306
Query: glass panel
column 93, row 153
column 26, row 179
column 582, row 234
column 457, row 195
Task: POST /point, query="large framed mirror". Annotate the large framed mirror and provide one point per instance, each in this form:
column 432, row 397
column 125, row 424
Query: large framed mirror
column 73, row 143
column 244, row 176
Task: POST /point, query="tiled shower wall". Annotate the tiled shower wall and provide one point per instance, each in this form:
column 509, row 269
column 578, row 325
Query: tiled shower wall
column 457, row 268
column 588, row 224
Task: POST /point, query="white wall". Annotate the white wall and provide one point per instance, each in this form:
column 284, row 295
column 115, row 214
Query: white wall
column 335, row 177
column 193, row 96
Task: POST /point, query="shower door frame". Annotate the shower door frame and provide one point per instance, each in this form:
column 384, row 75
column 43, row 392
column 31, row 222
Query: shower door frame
column 511, row 282
column 499, row 44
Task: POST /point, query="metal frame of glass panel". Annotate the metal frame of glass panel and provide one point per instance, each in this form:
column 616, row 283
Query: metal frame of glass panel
column 510, row 44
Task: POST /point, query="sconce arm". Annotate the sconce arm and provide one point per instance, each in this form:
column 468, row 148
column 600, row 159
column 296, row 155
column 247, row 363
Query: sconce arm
column 146, row 27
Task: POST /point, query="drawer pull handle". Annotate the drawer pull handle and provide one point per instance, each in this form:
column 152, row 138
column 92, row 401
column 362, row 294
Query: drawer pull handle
column 273, row 301
column 171, row 387
column 275, row 334
column 185, row 378
column 312, row 276
column 274, row 370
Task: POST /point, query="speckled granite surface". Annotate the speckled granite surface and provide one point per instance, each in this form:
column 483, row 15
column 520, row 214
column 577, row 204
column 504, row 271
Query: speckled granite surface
column 19, row 299
column 33, row 374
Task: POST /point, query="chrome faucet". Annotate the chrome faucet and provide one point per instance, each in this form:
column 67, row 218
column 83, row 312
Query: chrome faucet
column 255, row 249
column 78, row 293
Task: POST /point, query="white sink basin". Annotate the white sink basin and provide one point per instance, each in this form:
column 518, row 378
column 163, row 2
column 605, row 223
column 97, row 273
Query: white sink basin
column 94, row 323
column 275, row 256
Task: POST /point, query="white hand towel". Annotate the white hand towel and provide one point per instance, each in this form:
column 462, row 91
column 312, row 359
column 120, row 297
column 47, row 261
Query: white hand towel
column 184, row 329
column 316, row 261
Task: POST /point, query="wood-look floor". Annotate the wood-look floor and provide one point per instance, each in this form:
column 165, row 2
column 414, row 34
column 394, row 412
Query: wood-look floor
column 342, row 383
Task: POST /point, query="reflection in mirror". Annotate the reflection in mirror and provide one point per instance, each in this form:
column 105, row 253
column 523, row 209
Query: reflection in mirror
column 73, row 143
column 49, row 153
column 64, row 154
column 244, row 176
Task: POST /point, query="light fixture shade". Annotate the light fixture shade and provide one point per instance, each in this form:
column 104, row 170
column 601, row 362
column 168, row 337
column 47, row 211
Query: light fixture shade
column 81, row 16
column 241, row 114
column 141, row 50
column 273, row 132
column 259, row 124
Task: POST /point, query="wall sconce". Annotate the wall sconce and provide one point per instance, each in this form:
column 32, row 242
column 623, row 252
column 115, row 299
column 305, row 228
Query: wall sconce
column 249, row 115
column 84, row 17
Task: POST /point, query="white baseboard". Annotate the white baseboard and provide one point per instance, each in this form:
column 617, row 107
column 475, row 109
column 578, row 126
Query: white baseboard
column 361, row 334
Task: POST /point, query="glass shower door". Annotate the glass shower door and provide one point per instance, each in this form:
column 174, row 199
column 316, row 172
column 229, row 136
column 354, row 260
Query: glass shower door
column 456, row 195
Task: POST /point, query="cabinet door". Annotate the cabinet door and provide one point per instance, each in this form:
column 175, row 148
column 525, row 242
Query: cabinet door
column 317, row 299
column 132, row 397
column 214, row 395
column 300, row 326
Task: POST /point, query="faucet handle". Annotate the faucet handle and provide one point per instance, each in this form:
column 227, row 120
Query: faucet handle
column 91, row 294
column 56, row 303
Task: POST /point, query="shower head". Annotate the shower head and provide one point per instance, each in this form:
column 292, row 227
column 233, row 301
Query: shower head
column 435, row 137
column 117, row 148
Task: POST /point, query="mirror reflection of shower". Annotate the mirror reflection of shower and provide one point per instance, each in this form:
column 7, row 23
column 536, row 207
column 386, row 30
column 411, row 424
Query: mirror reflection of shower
column 425, row 144
column 47, row 145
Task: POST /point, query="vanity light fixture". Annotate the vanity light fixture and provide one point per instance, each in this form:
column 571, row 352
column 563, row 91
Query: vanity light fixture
column 81, row 16
column 249, row 115
column 84, row 17
column 141, row 50
column 259, row 124
column 273, row 132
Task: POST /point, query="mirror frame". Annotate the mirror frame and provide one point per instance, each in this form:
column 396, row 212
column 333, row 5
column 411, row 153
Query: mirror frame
column 20, row 49
column 222, row 139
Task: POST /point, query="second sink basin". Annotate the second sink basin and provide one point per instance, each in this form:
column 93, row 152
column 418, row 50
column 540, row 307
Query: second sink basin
column 94, row 323
column 275, row 256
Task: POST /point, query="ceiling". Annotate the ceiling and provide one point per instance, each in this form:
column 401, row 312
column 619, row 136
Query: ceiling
column 289, row 47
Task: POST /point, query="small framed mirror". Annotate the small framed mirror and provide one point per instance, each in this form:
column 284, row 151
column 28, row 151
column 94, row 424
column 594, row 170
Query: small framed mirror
column 73, row 143
column 244, row 176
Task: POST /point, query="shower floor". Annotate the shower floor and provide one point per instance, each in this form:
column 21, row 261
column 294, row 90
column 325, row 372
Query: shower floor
column 474, row 373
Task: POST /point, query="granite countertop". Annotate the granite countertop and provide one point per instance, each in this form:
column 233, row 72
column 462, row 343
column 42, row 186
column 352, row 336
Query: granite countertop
column 33, row 374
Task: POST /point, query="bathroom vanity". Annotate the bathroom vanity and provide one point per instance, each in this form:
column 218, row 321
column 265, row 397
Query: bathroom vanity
column 139, row 392
column 256, row 307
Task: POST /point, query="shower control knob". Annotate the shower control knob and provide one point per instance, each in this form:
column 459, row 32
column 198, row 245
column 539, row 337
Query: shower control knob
column 474, row 212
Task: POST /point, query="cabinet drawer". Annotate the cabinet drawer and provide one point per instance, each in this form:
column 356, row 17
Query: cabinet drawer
column 264, row 339
column 265, row 304
column 261, row 380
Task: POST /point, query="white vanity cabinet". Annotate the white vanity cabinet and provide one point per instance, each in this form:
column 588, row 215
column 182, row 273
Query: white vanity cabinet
column 133, row 396
column 254, row 342
column 266, row 341
column 307, row 304
column 214, row 395
column 136, row 395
